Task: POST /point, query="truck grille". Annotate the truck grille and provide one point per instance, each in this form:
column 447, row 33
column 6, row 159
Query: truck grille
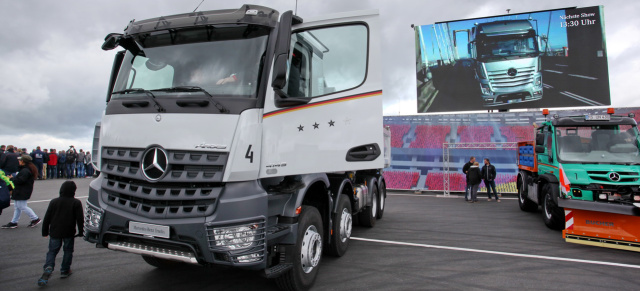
column 604, row 176
column 160, row 200
column 183, row 166
column 500, row 80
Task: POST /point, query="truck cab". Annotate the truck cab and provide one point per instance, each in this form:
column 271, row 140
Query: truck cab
column 240, row 137
column 507, row 60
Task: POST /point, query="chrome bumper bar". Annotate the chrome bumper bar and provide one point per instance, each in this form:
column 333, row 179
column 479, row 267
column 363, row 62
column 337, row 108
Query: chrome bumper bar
column 169, row 254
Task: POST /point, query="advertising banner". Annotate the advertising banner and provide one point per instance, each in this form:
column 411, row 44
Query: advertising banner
column 554, row 58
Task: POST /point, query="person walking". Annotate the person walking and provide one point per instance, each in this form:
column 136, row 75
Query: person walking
column 64, row 215
column 23, row 183
column 475, row 177
column 465, row 170
column 6, row 186
column 489, row 176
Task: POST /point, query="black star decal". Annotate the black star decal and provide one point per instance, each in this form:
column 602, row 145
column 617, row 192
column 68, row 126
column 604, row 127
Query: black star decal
column 315, row 125
column 300, row 128
column 331, row 122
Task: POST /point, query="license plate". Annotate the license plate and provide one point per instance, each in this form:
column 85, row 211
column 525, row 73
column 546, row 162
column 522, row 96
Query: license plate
column 597, row 117
column 149, row 229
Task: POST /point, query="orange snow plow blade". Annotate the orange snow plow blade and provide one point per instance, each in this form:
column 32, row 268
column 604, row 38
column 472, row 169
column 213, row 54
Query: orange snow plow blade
column 609, row 230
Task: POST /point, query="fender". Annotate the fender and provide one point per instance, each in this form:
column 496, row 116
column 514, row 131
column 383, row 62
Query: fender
column 338, row 185
column 309, row 180
column 555, row 188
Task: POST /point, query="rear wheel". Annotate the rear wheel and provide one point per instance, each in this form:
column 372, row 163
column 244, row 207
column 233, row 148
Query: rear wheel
column 368, row 216
column 308, row 252
column 381, row 201
column 552, row 215
column 524, row 202
column 342, row 225
column 161, row 263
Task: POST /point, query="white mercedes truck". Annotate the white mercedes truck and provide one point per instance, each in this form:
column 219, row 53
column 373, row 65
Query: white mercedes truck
column 245, row 137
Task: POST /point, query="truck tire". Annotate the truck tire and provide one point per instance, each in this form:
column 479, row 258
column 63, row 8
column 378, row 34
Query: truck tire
column 368, row 216
column 161, row 263
column 524, row 202
column 381, row 201
column 308, row 252
column 342, row 226
column 552, row 215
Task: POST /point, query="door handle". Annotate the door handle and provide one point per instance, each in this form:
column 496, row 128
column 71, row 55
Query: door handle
column 363, row 153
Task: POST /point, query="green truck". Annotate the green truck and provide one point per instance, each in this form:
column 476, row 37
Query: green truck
column 584, row 171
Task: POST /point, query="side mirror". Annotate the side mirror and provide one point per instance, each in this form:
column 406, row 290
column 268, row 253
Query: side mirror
column 115, row 68
column 540, row 149
column 539, row 139
column 283, row 45
column 111, row 41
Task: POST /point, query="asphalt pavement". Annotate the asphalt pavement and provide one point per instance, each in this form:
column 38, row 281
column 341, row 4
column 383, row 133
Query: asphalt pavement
column 424, row 242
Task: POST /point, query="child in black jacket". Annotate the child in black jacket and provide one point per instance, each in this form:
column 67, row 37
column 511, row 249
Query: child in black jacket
column 63, row 216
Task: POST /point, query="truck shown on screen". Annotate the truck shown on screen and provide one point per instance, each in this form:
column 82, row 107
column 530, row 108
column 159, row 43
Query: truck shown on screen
column 507, row 61
column 245, row 138
column 585, row 173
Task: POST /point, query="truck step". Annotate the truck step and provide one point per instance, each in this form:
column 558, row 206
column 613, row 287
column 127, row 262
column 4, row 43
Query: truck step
column 277, row 270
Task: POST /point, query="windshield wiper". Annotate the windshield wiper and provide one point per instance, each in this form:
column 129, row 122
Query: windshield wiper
column 219, row 106
column 147, row 93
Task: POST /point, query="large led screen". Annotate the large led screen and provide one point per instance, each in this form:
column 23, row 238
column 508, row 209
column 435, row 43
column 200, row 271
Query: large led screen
column 554, row 58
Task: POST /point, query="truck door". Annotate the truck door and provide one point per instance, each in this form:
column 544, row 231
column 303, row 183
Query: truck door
column 327, row 116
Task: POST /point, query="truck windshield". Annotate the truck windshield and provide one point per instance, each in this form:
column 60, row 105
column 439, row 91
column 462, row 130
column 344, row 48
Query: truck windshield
column 496, row 48
column 224, row 61
column 598, row 144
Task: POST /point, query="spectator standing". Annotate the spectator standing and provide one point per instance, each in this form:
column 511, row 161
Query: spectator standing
column 23, row 183
column 465, row 170
column 474, row 179
column 52, row 165
column 489, row 176
column 2, row 149
column 38, row 160
column 45, row 160
column 63, row 216
column 71, row 162
column 80, row 164
column 9, row 162
column 87, row 162
column 62, row 164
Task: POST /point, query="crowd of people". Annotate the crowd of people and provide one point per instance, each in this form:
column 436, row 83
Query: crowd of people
column 63, row 220
column 51, row 163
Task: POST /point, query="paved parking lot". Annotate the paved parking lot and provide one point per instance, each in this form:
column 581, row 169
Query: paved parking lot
column 424, row 242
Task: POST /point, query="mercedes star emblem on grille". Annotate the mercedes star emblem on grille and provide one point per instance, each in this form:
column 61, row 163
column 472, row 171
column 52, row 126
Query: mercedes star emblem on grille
column 512, row 72
column 613, row 176
column 154, row 163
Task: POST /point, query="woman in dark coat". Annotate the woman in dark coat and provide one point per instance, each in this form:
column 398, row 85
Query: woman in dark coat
column 475, row 177
column 23, row 182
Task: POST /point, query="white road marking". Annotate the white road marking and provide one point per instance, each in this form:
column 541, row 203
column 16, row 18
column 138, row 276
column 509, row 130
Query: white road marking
column 547, row 86
column 442, row 196
column 551, row 71
column 498, row 253
column 559, row 65
column 580, row 98
column 585, row 77
column 37, row 201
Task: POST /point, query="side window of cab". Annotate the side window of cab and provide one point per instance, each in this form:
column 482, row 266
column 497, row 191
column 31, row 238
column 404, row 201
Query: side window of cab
column 327, row 60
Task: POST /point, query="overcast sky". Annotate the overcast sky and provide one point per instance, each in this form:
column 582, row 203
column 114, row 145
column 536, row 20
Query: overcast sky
column 53, row 77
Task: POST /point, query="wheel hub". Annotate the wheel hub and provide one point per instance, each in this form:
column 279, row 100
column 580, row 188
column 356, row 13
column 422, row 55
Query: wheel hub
column 345, row 225
column 311, row 250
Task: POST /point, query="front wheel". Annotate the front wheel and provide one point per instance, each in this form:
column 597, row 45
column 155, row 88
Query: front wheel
column 552, row 214
column 308, row 252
